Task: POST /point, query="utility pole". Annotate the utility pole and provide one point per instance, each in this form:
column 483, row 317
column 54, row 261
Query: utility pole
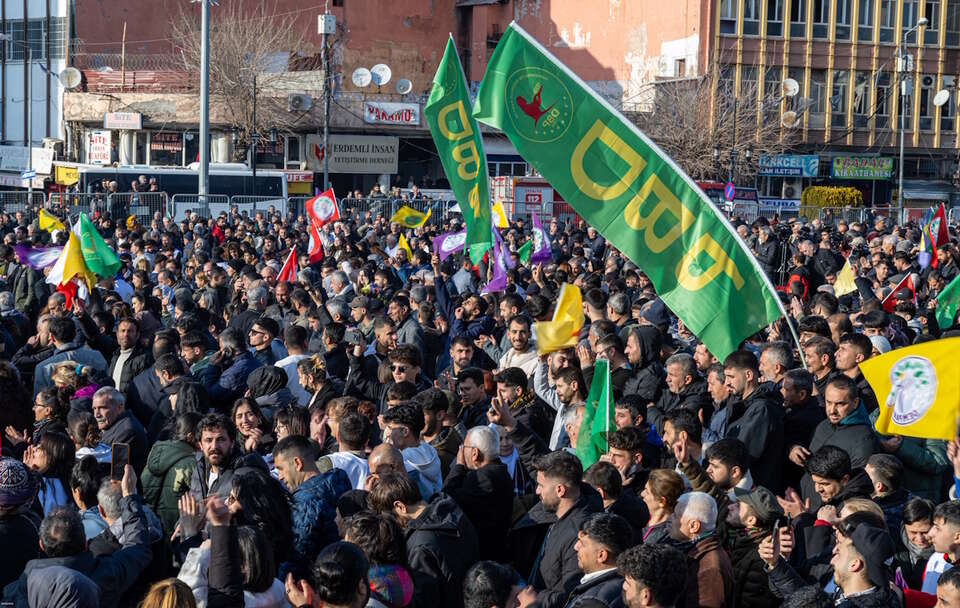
column 254, row 136
column 328, row 26
column 29, row 112
column 204, row 180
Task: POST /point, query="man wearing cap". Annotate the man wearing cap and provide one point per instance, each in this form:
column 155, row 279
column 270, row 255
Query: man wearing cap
column 751, row 518
column 360, row 313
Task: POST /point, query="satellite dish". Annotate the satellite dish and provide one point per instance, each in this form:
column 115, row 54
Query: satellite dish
column 361, row 77
column 790, row 87
column 790, row 119
column 404, row 86
column 381, row 74
column 70, row 77
column 942, row 97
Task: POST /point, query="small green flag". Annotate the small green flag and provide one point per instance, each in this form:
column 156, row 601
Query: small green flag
column 97, row 255
column 597, row 416
column 525, row 251
column 460, row 147
column 947, row 302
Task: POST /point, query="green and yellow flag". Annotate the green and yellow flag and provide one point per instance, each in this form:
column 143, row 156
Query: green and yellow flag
column 620, row 182
column 460, row 146
column 947, row 302
column 918, row 388
column 597, row 423
column 97, row 255
column 410, row 218
column 563, row 330
column 405, row 246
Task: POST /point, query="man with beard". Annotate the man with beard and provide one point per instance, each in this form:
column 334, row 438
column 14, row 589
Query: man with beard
column 437, row 431
column 521, row 354
column 218, row 462
column 529, row 410
column 654, row 576
column 545, row 376
column 474, row 402
column 715, row 428
column 685, row 389
column 709, row 571
column 802, row 415
column 282, row 311
column 131, row 358
column 751, row 518
column 757, row 420
column 462, row 355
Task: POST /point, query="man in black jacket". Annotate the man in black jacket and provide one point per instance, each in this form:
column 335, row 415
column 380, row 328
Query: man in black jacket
column 768, row 251
column 802, row 415
column 685, row 389
column 131, row 358
column 118, row 425
column 600, row 541
column 757, row 420
column 219, row 459
column 441, row 541
column 483, row 488
column 64, row 544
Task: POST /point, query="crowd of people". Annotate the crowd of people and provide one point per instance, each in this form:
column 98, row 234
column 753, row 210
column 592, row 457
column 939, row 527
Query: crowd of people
column 382, row 432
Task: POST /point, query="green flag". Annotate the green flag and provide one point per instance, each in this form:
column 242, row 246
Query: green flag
column 525, row 251
column 597, row 420
column 97, row 255
column 460, row 146
column 623, row 185
column 947, row 302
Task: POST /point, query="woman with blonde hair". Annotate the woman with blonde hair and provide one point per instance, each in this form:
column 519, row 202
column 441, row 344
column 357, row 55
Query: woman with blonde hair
column 312, row 373
column 169, row 593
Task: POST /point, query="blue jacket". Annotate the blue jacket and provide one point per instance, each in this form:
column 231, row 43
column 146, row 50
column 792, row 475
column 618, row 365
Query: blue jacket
column 232, row 382
column 313, row 507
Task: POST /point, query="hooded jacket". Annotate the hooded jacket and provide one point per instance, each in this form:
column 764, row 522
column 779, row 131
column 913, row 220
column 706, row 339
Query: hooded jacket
column 757, row 421
column 853, row 434
column 751, row 587
column 648, row 375
column 441, row 547
column 424, row 459
column 165, row 479
column 486, row 496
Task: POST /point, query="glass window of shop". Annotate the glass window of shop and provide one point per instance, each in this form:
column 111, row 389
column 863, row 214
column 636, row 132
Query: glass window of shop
column 821, row 19
column 270, row 153
column 166, row 148
column 883, row 104
column 843, row 19
column 865, row 20
column 293, row 152
column 948, row 111
column 818, row 95
column 774, row 18
column 798, row 19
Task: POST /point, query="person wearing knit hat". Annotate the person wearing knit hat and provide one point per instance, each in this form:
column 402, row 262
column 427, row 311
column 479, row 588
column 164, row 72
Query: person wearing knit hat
column 17, row 486
column 881, row 345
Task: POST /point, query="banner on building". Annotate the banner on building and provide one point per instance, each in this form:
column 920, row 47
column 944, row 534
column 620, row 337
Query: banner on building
column 862, row 167
column 14, row 158
column 622, row 184
column 124, row 121
column 98, row 147
column 391, row 113
column 354, row 153
column 788, row 165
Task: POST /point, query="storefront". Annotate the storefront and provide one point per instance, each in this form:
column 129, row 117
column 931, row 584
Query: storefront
column 870, row 175
column 782, row 177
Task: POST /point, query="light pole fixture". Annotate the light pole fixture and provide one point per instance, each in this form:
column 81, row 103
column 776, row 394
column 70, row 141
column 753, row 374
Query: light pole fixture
column 901, row 69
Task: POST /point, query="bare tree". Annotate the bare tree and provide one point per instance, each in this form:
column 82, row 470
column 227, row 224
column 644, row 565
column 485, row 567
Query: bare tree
column 679, row 123
column 249, row 43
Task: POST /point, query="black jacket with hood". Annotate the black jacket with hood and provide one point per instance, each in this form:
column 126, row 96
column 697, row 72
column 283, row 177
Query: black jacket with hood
column 757, row 421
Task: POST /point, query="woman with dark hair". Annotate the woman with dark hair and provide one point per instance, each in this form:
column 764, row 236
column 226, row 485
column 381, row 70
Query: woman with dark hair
column 381, row 539
column 268, row 387
column 184, row 394
column 49, row 415
column 263, row 503
column 52, row 458
column 291, row 420
column 169, row 467
column 915, row 547
column 253, row 429
column 83, row 430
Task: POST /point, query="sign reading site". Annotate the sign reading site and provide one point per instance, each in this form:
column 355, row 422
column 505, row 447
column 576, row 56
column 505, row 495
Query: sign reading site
column 862, row 167
column 622, row 184
column 354, row 153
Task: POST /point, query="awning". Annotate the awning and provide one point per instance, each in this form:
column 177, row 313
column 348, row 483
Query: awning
column 927, row 191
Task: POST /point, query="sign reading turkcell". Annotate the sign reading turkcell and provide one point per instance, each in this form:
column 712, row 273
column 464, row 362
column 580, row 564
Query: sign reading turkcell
column 789, row 165
column 862, row 167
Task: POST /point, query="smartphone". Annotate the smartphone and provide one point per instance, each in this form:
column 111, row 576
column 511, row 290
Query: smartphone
column 119, row 459
column 352, row 336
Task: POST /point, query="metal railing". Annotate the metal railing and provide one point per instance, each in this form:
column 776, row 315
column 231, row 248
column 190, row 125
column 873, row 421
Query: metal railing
column 145, row 206
column 185, row 205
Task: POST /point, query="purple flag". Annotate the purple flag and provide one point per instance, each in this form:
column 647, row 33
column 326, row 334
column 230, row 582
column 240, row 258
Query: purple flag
column 499, row 280
column 450, row 243
column 37, row 258
column 541, row 243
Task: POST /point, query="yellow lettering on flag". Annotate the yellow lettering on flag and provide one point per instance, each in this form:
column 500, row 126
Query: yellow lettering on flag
column 49, row 222
column 845, row 281
column 562, row 332
column 500, row 215
column 410, row 218
column 918, row 388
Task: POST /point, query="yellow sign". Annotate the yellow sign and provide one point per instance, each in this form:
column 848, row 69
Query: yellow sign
column 66, row 176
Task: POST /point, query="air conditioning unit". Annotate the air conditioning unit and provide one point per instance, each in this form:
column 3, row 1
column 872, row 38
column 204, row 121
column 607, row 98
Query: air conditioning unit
column 299, row 103
column 792, row 188
column 927, row 81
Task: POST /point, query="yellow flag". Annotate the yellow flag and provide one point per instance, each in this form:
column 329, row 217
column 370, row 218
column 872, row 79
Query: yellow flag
column 845, row 281
column 49, row 222
column 402, row 244
column 562, row 332
column 410, row 218
column 918, row 388
column 500, row 215
column 71, row 264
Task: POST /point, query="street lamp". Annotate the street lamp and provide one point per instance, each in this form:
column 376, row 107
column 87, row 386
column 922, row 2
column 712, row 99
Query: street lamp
column 901, row 68
column 28, row 114
column 716, row 162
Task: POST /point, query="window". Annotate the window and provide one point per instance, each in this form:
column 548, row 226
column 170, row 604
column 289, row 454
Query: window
column 338, row 2
column 948, row 110
column 771, row 94
column 887, row 19
column 838, row 100
column 931, row 33
column 679, row 67
column 293, row 152
column 798, row 19
column 725, row 87
column 953, row 23
column 909, row 20
column 728, row 16
column 775, row 18
column 861, row 100
column 821, row 18
column 925, row 103
column 843, row 20
column 36, row 38
column 865, row 20
column 818, row 94
column 751, row 17
column 882, row 81
column 166, row 148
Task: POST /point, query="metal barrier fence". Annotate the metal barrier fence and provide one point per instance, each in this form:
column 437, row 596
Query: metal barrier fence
column 20, row 202
column 144, row 206
column 183, row 205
